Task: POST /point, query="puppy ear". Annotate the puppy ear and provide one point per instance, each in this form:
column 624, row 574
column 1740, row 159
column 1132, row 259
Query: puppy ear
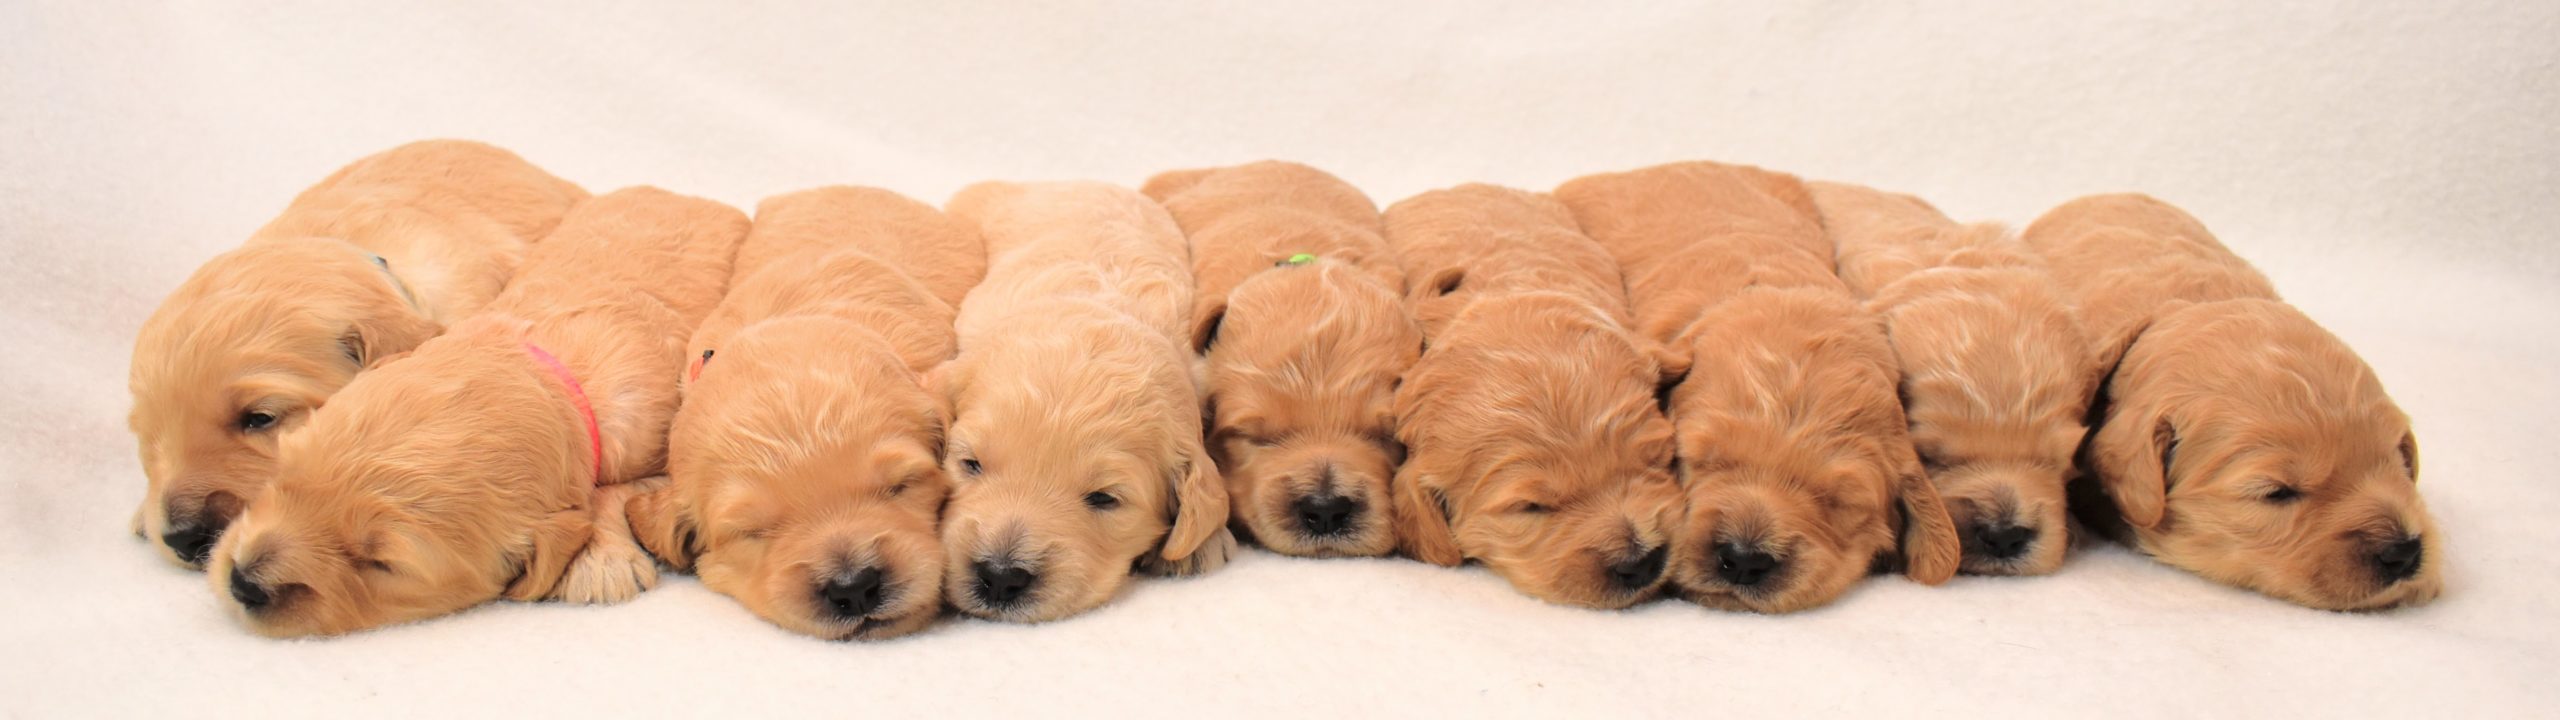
column 375, row 339
column 1200, row 505
column 555, row 541
column 2409, row 454
column 2131, row 458
column 1671, row 367
column 944, row 383
column 1422, row 516
column 1204, row 324
column 1930, row 549
column 665, row 526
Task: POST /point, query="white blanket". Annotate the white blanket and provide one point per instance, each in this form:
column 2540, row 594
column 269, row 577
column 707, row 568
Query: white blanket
column 2391, row 167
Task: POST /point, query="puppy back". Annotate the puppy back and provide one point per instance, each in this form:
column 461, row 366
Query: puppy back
column 916, row 239
column 642, row 241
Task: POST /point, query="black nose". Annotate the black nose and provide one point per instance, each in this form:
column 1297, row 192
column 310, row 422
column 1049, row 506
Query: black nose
column 1639, row 571
column 193, row 542
column 2398, row 561
column 1325, row 515
column 2003, row 542
column 851, row 598
column 247, row 591
column 1003, row 584
column 1745, row 567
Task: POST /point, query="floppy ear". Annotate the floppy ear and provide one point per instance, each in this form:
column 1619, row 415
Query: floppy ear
column 944, row 384
column 2409, row 454
column 1200, row 505
column 1205, row 320
column 1671, row 368
column 375, row 339
column 1421, row 516
column 665, row 526
column 555, row 541
column 2131, row 457
column 1930, row 550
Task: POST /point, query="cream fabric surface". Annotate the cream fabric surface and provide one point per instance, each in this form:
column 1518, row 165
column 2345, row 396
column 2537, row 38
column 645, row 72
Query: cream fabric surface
column 2390, row 165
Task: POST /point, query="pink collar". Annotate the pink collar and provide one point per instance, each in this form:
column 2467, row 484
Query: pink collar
column 578, row 397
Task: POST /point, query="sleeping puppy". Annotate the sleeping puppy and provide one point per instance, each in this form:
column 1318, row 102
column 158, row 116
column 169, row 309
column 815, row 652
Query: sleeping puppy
column 1301, row 329
column 1800, row 473
column 1537, row 445
column 804, row 468
column 373, row 260
column 1995, row 373
column 2236, row 438
column 494, row 460
column 1074, row 448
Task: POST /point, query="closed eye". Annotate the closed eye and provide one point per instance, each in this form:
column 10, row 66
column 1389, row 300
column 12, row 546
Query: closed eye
column 1531, row 508
column 2282, row 495
column 1101, row 501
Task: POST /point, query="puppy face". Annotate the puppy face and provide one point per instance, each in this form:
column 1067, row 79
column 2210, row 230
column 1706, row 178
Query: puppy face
column 2248, row 445
column 1303, row 364
column 1799, row 470
column 1540, row 452
column 807, row 485
column 365, row 524
column 1995, row 383
column 243, row 351
column 1074, row 453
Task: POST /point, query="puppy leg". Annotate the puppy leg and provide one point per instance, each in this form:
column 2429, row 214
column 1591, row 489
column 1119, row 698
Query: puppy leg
column 613, row 567
column 1213, row 554
column 659, row 521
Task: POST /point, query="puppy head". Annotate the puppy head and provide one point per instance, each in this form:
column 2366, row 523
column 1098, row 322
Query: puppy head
column 1074, row 453
column 2246, row 444
column 370, row 520
column 808, row 484
column 1303, row 363
column 1540, row 451
column 243, row 351
column 1996, row 384
column 1800, row 473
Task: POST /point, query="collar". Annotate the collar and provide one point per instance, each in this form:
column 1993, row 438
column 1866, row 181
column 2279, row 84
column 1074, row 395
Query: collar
column 385, row 264
column 578, row 397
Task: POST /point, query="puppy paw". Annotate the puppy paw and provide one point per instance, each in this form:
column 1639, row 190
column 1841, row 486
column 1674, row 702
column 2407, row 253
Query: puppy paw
column 1213, row 554
column 611, row 569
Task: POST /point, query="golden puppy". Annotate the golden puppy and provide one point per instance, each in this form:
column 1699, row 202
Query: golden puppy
column 1799, row 471
column 1074, row 448
column 1995, row 373
column 1303, row 336
column 1691, row 234
column 492, row 461
column 805, row 466
column 1538, row 448
column 373, row 260
column 2235, row 438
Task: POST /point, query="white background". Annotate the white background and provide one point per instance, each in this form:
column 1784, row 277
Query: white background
column 2390, row 165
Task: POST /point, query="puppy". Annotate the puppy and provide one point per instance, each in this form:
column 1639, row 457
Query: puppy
column 1300, row 325
column 2235, row 438
column 492, row 461
column 1075, row 446
column 805, row 465
column 373, row 260
column 1995, row 372
column 1537, row 446
column 1799, row 470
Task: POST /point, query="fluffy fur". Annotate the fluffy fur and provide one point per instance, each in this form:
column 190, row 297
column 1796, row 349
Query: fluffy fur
column 1538, row 449
column 1075, row 444
column 804, row 468
column 1995, row 372
column 2236, row 438
column 1300, row 362
column 368, row 263
column 463, row 473
column 1799, row 470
